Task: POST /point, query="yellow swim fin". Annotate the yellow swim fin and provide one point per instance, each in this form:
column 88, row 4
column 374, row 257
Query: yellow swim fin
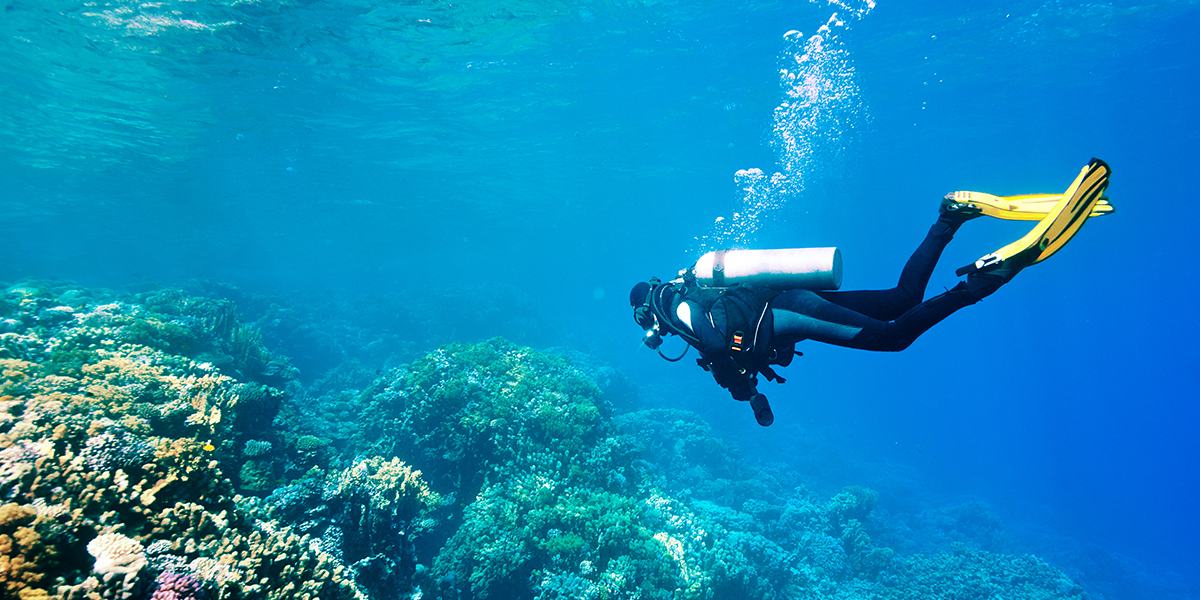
column 1059, row 224
column 1027, row 207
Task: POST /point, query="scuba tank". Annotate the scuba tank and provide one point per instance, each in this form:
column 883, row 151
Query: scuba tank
column 789, row 268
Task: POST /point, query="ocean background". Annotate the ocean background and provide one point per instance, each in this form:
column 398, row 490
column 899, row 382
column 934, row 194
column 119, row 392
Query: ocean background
column 432, row 172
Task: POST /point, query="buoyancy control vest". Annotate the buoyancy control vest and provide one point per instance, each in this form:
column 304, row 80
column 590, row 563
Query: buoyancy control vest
column 733, row 321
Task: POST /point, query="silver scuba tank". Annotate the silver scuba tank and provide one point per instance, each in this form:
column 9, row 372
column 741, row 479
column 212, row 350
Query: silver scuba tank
column 788, row 268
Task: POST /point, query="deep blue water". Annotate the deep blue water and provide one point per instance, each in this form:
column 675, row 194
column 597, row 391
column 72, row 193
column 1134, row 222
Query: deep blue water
column 562, row 151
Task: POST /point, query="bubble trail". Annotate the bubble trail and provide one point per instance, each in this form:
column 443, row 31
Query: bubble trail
column 819, row 109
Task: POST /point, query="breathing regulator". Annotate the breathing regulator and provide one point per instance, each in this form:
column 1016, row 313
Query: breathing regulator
column 647, row 318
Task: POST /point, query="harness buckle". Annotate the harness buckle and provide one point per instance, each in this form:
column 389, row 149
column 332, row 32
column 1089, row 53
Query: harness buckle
column 737, row 346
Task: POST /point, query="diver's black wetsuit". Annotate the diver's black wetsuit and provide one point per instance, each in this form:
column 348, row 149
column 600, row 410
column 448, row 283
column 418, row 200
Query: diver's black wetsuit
column 883, row 320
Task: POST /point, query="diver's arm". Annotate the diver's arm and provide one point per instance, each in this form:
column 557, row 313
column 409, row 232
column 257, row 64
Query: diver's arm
column 731, row 376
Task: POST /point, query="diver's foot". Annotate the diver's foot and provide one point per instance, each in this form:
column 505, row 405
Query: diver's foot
column 958, row 211
column 985, row 283
column 762, row 410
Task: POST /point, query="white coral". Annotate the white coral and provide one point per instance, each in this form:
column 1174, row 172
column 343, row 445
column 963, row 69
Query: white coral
column 18, row 460
column 118, row 555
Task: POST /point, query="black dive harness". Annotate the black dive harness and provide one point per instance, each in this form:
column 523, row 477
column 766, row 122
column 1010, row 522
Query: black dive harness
column 745, row 313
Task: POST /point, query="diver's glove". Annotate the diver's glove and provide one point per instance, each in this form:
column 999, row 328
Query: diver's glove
column 742, row 387
column 762, row 410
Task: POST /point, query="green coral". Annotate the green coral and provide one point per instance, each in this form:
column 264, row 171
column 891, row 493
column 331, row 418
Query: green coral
column 512, row 533
column 256, row 476
column 308, row 444
column 563, row 544
column 527, row 438
column 522, row 526
column 465, row 411
column 965, row 572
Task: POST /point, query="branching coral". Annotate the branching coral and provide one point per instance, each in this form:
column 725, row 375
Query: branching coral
column 467, row 410
column 383, row 485
column 964, row 572
column 527, row 437
column 115, row 449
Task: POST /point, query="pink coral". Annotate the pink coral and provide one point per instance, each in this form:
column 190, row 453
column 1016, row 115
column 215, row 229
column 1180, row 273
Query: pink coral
column 177, row 586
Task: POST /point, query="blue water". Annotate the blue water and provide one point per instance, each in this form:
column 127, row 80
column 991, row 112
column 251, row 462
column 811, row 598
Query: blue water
column 541, row 157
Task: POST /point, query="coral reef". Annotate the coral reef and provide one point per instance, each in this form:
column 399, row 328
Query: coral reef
column 379, row 507
column 965, row 572
column 151, row 446
column 525, row 440
column 116, row 426
column 561, row 499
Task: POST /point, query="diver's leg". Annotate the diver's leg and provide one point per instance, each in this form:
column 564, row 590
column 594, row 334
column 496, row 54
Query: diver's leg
column 802, row 314
column 805, row 315
column 886, row 305
column 894, row 336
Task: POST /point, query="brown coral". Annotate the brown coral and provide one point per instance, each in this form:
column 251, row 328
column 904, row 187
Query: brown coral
column 387, row 485
column 20, row 551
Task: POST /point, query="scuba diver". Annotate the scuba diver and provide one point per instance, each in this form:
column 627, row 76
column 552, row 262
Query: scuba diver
column 745, row 310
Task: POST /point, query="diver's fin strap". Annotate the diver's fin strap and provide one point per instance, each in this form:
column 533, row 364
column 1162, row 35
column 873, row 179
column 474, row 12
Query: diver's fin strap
column 1059, row 225
column 1028, row 207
